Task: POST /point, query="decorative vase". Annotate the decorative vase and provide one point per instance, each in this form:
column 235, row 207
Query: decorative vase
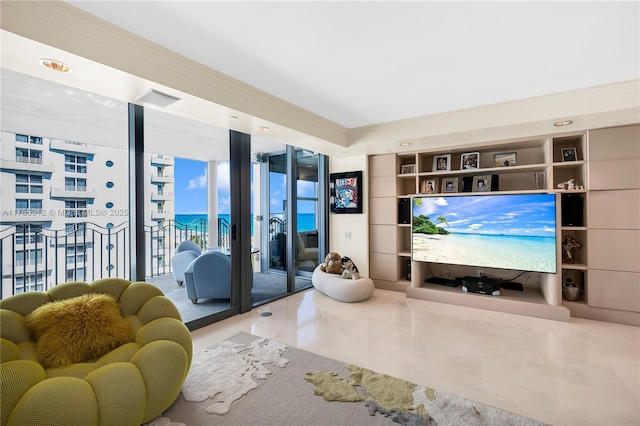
column 571, row 291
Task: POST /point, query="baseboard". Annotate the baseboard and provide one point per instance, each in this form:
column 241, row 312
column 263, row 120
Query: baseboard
column 392, row 285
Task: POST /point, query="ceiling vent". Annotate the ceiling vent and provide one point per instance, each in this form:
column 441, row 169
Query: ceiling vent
column 154, row 97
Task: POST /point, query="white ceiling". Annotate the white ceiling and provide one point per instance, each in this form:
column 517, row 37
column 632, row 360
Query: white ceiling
column 362, row 63
column 355, row 76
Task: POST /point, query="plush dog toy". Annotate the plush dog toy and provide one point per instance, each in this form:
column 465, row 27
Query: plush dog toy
column 350, row 269
column 332, row 264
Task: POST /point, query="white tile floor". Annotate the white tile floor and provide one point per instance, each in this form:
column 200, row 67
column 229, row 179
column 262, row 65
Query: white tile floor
column 579, row 373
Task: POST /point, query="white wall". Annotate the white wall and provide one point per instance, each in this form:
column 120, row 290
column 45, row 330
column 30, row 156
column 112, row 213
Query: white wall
column 356, row 247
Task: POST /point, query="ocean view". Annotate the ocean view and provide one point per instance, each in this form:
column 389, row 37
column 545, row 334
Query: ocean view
column 306, row 221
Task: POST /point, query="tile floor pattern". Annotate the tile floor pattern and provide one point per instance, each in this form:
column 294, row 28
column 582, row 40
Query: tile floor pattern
column 579, row 373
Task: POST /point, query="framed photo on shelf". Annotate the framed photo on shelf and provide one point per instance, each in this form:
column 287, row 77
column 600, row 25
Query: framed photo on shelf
column 429, row 186
column 450, row 184
column 470, row 160
column 442, row 162
column 407, row 168
column 569, row 154
column 504, row 160
column 345, row 192
column 481, row 183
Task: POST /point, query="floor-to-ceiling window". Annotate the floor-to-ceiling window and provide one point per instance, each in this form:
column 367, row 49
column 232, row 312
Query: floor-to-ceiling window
column 188, row 165
column 74, row 168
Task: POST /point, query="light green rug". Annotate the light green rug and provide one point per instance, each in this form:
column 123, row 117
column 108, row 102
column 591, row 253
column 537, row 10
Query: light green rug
column 249, row 380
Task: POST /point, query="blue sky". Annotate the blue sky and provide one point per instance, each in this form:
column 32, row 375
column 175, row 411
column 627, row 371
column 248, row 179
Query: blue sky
column 190, row 177
column 191, row 189
column 522, row 214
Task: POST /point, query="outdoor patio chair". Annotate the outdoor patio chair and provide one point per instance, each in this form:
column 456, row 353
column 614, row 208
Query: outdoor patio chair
column 186, row 252
column 209, row 277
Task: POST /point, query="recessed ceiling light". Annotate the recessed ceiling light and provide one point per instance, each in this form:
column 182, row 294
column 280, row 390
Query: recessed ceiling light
column 563, row 123
column 405, row 143
column 157, row 98
column 54, row 65
column 262, row 129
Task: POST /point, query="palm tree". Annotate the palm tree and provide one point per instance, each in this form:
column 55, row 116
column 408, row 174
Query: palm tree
column 442, row 219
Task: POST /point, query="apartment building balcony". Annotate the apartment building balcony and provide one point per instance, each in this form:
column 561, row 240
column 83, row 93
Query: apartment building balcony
column 161, row 160
column 27, row 215
column 163, row 178
column 157, row 215
column 73, row 192
column 21, row 268
column 161, row 196
column 71, row 240
column 98, row 253
column 26, row 164
column 67, row 146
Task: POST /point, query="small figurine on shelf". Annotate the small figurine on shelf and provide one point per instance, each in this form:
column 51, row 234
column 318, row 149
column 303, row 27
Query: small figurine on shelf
column 569, row 246
column 569, row 185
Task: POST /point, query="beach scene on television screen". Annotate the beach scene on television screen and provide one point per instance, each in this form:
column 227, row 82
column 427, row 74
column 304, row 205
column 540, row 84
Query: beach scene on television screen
column 494, row 231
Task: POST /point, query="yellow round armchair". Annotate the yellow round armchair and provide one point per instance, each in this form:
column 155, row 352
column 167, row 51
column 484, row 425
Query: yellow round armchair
column 128, row 385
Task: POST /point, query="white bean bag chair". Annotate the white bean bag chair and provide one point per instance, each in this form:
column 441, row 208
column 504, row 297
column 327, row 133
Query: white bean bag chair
column 338, row 288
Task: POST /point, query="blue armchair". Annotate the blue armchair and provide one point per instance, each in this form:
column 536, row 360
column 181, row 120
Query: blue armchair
column 185, row 253
column 208, row 277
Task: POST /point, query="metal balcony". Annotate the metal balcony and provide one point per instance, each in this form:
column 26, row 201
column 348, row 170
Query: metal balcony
column 164, row 196
column 73, row 192
column 164, row 178
column 156, row 215
column 161, row 160
column 67, row 146
column 27, row 215
column 26, row 164
column 99, row 252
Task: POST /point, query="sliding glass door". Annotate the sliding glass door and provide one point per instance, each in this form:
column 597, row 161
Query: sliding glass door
column 295, row 228
column 307, row 215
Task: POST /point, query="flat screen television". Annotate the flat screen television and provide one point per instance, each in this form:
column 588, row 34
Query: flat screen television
column 504, row 231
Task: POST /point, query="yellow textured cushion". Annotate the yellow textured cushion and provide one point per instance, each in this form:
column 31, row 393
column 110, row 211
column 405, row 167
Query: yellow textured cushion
column 78, row 329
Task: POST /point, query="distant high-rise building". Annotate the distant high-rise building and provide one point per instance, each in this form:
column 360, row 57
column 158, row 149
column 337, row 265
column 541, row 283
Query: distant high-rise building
column 65, row 211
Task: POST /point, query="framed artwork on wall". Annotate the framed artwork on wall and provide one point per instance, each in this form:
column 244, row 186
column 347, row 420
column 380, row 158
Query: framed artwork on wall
column 345, row 192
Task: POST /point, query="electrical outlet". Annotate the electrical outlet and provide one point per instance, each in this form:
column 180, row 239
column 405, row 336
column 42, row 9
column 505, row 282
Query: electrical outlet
column 347, row 235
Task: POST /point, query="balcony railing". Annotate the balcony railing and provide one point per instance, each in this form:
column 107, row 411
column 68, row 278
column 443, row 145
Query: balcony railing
column 30, row 160
column 73, row 192
column 26, row 164
column 161, row 178
column 96, row 251
column 159, row 215
column 161, row 160
column 68, row 146
column 19, row 216
column 161, row 196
